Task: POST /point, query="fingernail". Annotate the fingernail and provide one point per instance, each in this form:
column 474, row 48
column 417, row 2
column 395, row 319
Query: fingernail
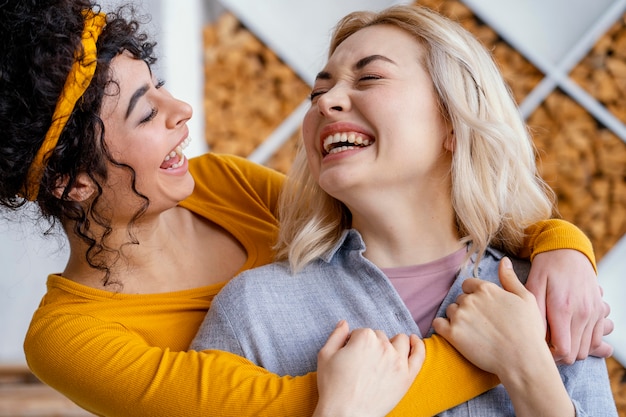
column 507, row 263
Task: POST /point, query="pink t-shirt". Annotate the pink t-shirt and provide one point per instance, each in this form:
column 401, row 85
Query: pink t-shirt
column 423, row 287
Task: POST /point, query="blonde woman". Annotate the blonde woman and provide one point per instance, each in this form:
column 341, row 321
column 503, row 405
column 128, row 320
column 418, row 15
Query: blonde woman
column 416, row 174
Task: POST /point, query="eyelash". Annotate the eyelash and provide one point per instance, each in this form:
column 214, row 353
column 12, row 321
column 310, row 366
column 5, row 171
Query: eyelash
column 370, row 77
column 315, row 94
column 152, row 115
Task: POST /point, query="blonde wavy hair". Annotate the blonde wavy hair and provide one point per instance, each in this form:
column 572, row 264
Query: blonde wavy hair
column 496, row 190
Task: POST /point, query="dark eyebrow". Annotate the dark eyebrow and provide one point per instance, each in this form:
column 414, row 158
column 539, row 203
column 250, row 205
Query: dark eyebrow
column 133, row 100
column 360, row 64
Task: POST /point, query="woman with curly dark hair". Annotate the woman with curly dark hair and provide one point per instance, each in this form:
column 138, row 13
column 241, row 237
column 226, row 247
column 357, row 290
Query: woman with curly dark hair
column 91, row 138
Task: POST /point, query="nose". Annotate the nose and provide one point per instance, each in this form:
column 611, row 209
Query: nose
column 334, row 101
column 179, row 112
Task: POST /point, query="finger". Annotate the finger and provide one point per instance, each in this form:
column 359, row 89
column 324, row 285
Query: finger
column 560, row 339
column 603, row 351
column 509, row 279
column 460, row 299
column 442, row 327
column 584, row 345
column 417, row 354
column 401, row 344
column 539, row 288
column 596, row 335
column 451, row 310
column 362, row 335
column 382, row 336
column 471, row 285
column 337, row 338
column 607, row 309
column 609, row 326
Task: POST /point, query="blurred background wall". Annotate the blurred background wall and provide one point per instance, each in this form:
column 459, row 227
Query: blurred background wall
column 245, row 66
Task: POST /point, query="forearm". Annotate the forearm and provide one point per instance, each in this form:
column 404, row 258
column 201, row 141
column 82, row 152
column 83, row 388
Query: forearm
column 101, row 361
column 536, row 388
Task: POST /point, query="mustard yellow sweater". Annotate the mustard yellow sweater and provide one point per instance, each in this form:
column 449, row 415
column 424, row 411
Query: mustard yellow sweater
column 125, row 355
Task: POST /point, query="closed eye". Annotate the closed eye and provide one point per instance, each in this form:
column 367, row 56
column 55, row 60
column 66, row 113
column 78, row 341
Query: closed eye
column 315, row 94
column 153, row 112
column 152, row 115
column 370, row 77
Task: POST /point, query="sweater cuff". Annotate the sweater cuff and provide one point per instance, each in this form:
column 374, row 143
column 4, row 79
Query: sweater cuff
column 556, row 234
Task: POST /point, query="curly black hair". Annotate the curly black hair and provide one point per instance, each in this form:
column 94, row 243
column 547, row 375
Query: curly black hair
column 40, row 41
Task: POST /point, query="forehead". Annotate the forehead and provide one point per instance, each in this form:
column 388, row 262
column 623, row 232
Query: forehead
column 387, row 40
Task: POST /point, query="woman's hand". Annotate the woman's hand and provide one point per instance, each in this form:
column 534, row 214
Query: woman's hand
column 501, row 330
column 494, row 327
column 365, row 373
column 570, row 299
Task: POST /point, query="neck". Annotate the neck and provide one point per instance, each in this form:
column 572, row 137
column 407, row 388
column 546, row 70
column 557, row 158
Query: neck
column 403, row 231
column 125, row 260
column 177, row 250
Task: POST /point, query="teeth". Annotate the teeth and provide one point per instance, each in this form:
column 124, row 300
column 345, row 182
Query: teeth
column 179, row 163
column 339, row 149
column 178, row 151
column 343, row 137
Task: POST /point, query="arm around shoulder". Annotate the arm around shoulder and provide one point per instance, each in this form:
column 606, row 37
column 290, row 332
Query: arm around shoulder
column 111, row 372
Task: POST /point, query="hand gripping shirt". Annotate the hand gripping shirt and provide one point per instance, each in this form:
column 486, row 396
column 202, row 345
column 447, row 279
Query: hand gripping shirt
column 126, row 354
column 280, row 320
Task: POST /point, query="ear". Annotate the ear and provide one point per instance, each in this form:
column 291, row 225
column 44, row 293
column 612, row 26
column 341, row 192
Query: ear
column 449, row 142
column 82, row 189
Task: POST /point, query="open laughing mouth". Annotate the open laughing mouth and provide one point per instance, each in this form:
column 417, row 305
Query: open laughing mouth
column 176, row 157
column 340, row 142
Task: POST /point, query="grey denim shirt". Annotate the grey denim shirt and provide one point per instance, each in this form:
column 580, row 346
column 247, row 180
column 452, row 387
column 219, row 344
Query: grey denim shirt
column 280, row 321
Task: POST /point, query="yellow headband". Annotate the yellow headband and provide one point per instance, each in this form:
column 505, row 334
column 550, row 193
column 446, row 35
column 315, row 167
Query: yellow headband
column 75, row 85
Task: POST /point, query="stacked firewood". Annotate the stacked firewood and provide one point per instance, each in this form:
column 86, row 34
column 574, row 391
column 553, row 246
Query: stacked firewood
column 249, row 92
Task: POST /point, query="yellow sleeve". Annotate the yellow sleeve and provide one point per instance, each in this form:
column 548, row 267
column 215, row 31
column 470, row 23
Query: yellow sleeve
column 446, row 380
column 553, row 234
column 112, row 372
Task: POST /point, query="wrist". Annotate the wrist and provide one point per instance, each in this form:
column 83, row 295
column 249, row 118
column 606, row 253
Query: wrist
column 341, row 408
column 524, row 372
column 328, row 411
column 535, row 388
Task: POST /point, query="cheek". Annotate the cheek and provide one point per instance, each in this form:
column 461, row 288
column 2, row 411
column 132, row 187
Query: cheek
column 309, row 124
column 309, row 133
column 309, row 129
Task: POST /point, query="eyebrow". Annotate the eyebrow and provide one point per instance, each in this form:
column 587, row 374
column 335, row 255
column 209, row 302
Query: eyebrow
column 360, row 64
column 133, row 100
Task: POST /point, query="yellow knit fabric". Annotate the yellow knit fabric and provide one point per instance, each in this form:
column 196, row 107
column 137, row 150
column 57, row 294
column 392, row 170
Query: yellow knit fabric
column 554, row 234
column 124, row 354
